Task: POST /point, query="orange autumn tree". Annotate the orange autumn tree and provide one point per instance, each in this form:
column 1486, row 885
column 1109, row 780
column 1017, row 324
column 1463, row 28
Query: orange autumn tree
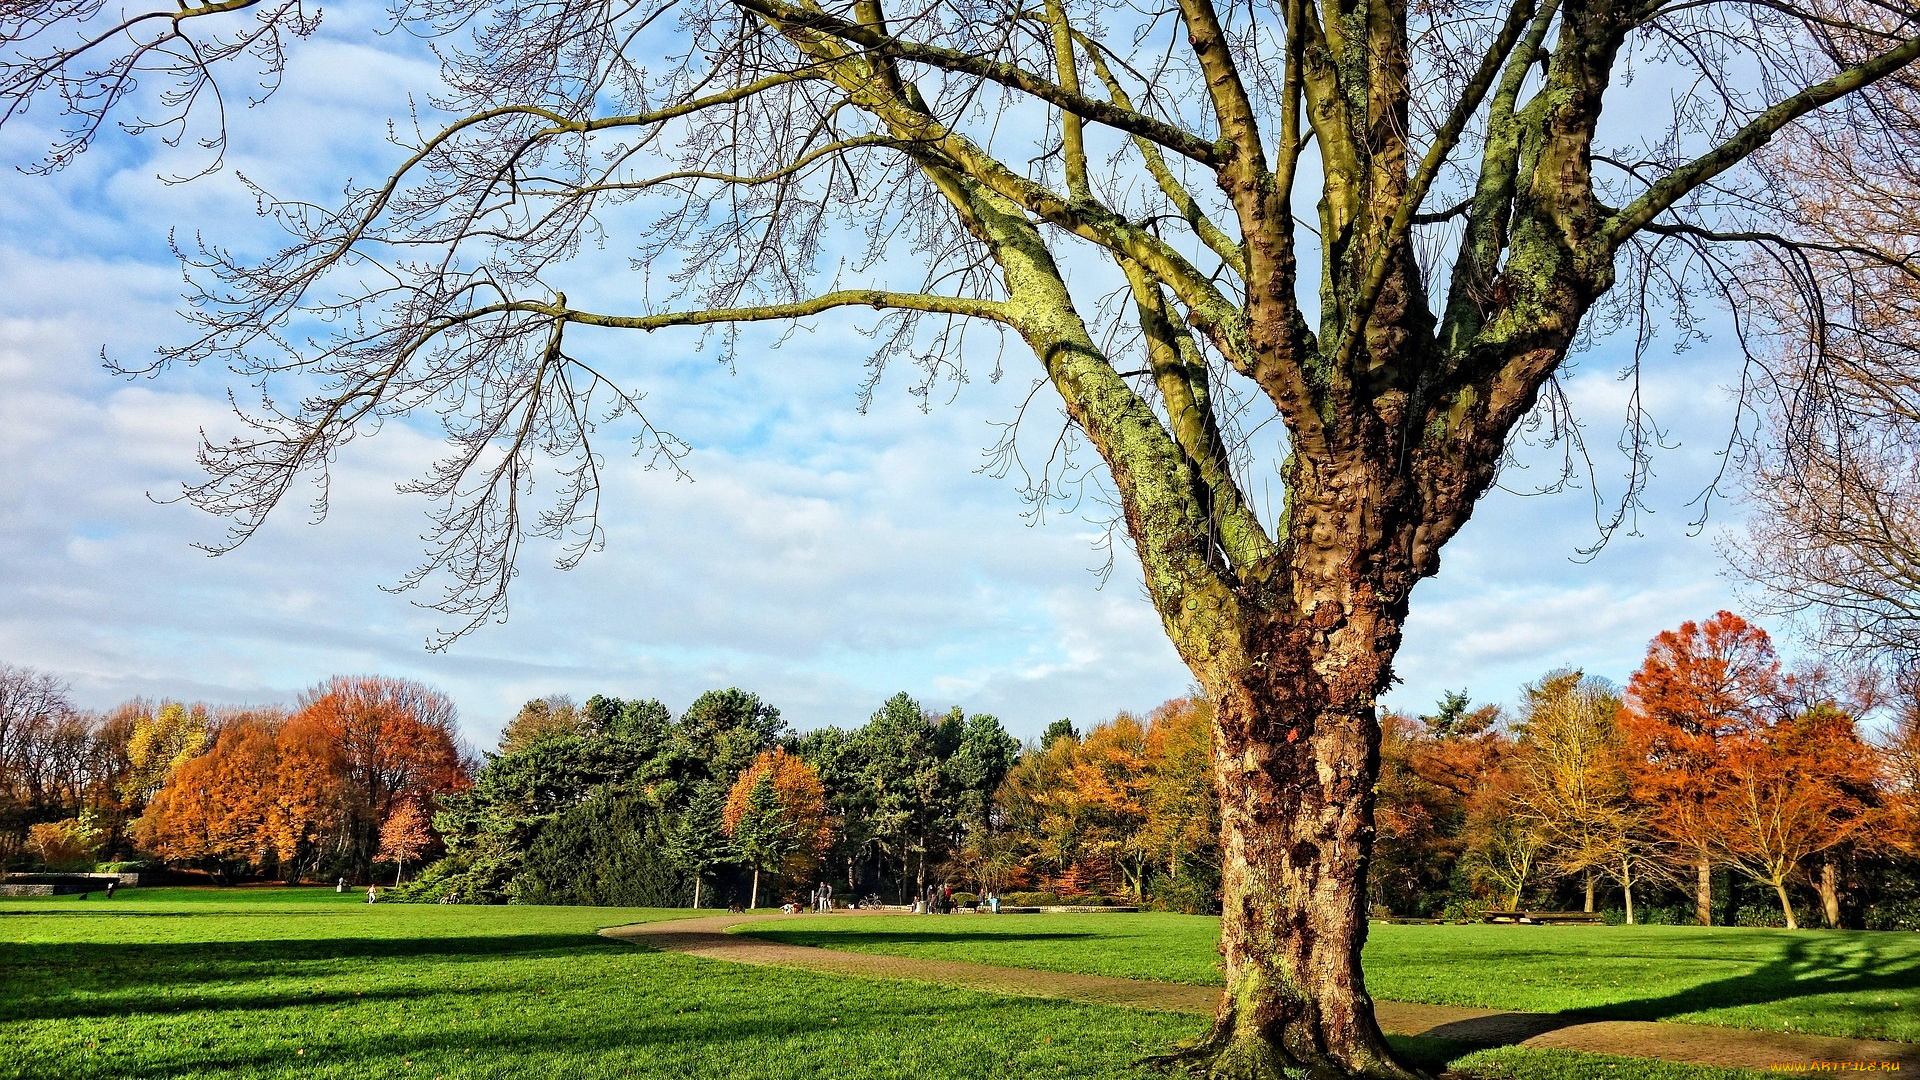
column 1899, row 824
column 403, row 838
column 1701, row 686
column 1104, row 811
column 1183, row 809
column 1435, row 776
column 1107, row 787
column 216, row 809
column 394, row 741
column 1789, row 790
column 776, row 813
column 309, row 800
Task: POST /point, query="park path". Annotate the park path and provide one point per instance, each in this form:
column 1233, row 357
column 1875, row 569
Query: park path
column 1696, row 1044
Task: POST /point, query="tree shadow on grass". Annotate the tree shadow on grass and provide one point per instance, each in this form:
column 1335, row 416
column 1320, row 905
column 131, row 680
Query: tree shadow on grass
column 72, row 979
column 1803, row 968
column 676, row 1017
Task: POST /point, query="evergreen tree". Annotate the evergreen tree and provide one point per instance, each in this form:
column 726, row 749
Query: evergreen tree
column 763, row 835
column 698, row 841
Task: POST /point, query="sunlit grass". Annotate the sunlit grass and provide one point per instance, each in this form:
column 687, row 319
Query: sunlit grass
column 265, row 983
column 306, row 984
column 1831, row 982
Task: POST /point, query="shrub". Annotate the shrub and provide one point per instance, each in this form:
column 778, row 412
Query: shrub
column 452, row 880
column 133, row 866
column 73, row 844
column 1758, row 915
column 1186, row 896
column 1032, row 899
column 965, row 898
column 1464, row 911
column 1670, row 915
column 1902, row 914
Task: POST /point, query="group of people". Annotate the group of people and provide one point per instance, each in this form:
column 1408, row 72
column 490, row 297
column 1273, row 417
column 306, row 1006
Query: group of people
column 820, row 899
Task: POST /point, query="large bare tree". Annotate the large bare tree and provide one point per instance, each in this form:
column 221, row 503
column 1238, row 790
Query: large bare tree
column 1834, row 532
column 1387, row 221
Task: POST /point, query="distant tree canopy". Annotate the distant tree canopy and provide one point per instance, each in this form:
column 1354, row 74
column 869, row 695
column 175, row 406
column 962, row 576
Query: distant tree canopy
column 316, row 789
column 610, row 851
column 1718, row 787
column 902, row 785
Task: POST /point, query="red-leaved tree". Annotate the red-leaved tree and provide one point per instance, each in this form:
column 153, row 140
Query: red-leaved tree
column 1790, row 790
column 394, row 742
column 1701, row 685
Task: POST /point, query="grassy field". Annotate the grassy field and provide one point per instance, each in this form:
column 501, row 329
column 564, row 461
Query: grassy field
column 303, row 983
column 1826, row 982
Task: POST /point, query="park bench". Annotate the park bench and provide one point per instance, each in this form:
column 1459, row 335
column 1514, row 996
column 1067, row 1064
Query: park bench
column 1542, row 918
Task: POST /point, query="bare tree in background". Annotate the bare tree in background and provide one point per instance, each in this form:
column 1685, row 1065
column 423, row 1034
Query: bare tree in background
column 1834, row 532
column 1467, row 226
column 34, row 713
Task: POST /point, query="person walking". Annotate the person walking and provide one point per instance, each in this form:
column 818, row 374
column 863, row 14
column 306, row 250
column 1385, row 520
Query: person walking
column 993, row 901
column 342, row 887
column 826, row 897
column 373, row 894
column 110, row 887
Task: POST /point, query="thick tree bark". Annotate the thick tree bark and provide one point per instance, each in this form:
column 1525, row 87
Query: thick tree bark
column 1589, row 908
column 1296, row 836
column 1703, row 891
column 1296, row 748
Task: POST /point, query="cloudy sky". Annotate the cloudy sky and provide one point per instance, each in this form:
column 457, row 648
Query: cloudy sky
column 823, row 557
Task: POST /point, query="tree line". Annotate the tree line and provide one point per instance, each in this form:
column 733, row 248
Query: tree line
column 342, row 782
column 1717, row 786
column 620, row 802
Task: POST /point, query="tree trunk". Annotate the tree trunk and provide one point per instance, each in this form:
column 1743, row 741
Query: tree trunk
column 1626, row 888
column 696, row 891
column 1703, row 891
column 1589, row 908
column 398, row 869
column 1786, row 904
column 753, row 898
column 1829, row 883
column 1296, row 836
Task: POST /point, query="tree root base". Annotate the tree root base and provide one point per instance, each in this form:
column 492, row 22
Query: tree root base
column 1221, row 1054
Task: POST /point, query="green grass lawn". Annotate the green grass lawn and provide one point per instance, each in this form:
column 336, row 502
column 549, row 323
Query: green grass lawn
column 1829, row 982
column 304, row 983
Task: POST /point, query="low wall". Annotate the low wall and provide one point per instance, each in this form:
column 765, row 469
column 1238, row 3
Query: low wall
column 1063, row 909
column 62, row 884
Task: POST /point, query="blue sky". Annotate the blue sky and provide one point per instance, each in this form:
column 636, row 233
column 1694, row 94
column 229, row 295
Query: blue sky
column 823, row 557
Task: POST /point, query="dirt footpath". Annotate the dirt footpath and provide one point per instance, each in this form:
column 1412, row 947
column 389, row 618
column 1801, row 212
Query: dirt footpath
column 1696, row 1044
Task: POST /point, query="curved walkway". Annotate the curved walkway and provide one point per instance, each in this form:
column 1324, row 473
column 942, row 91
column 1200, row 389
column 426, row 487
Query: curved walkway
column 1697, row 1044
